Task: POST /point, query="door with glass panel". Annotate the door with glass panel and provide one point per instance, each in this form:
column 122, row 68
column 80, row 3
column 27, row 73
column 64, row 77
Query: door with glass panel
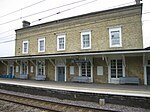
column 41, row 67
column 116, row 70
column 24, row 70
column 86, row 69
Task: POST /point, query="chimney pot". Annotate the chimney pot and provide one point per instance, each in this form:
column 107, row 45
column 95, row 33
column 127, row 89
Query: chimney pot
column 25, row 24
column 138, row 1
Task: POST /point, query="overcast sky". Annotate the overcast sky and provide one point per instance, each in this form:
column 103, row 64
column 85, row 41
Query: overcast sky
column 13, row 12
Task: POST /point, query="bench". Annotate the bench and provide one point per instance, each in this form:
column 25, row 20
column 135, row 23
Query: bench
column 40, row 77
column 80, row 79
column 23, row 76
column 10, row 76
column 129, row 80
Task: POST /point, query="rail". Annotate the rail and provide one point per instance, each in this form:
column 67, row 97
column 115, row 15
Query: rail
column 45, row 104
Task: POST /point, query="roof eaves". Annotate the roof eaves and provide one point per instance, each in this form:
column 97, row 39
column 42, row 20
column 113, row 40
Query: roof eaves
column 110, row 52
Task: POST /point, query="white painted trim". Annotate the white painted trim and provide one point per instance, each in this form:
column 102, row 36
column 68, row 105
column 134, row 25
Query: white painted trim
column 109, row 68
column 85, row 33
column 60, row 63
column 58, row 37
column 145, row 69
column 65, row 74
column 25, row 41
column 21, row 71
column 41, row 39
column 120, row 35
column 92, row 73
column 145, row 64
column 109, row 72
column 72, row 70
column 79, row 54
column 37, row 66
column 91, row 62
column 56, row 73
column 79, row 69
column 145, row 75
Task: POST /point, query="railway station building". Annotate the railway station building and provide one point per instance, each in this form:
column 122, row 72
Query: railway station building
column 98, row 47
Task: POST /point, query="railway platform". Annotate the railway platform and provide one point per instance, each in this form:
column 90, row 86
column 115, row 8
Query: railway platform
column 128, row 90
column 132, row 95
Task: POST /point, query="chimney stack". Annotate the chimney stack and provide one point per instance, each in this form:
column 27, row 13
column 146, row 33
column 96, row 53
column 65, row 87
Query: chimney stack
column 25, row 24
column 138, row 1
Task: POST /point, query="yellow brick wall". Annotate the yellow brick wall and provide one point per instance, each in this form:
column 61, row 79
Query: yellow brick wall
column 134, row 67
column 100, row 78
column 3, row 69
column 76, row 70
column 31, row 75
column 129, row 21
column 50, row 71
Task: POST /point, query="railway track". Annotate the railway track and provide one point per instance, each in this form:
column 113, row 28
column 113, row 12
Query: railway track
column 45, row 104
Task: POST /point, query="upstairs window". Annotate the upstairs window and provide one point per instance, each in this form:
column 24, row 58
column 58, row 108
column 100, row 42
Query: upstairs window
column 86, row 40
column 25, row 47
column 115, row 37
column 41, row 45
column 61, row 42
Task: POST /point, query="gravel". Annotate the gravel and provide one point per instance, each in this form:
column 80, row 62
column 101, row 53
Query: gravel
column 11, row 107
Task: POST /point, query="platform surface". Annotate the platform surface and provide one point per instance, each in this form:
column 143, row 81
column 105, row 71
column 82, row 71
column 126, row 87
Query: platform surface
column 114, row 89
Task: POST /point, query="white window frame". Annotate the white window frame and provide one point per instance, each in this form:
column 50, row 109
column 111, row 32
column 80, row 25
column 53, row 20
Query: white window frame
column 116, row 67
column 38, row 67
column 86, row 33
column 72, row 70
column 23, row 46
column 58, row 47
column 39, row 40
column 120, row 35
column 86, row 70
column 115, row 80
column 24, row 64
column 10, row 64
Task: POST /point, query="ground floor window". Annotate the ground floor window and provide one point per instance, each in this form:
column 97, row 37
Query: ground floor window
column 24, row 68
column 10, row 70
column 86, row 69
column 41, row 67
column 116, row 68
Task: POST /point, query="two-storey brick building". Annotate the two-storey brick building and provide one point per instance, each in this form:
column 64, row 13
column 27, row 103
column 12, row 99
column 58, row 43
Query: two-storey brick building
column 99, row 47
